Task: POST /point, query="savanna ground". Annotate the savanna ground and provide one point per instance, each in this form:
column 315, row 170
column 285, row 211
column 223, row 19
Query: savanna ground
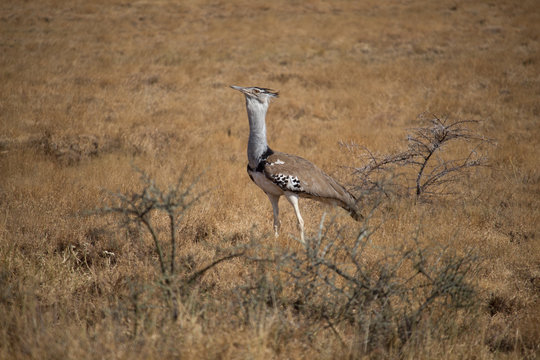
column 92, row 89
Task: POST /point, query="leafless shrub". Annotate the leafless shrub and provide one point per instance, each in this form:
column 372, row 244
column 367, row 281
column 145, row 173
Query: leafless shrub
column 425, row 165
column 380, row 304
column 144, row 209
column 334, row 285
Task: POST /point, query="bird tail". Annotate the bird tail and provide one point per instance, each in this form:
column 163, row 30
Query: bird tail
column 352, row 207
column 356, row 215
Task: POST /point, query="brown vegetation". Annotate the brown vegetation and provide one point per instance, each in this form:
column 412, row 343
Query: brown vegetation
column 91, row 89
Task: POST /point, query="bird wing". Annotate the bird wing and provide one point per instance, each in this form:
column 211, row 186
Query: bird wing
column 293, row 173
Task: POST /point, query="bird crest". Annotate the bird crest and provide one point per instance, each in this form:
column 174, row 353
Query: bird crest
column 257, row 92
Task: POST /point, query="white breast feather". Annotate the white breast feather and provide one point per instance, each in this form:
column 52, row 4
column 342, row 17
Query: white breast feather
column 266, row 184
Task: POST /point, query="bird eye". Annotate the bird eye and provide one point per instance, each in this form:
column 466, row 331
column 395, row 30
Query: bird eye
column 256, row 91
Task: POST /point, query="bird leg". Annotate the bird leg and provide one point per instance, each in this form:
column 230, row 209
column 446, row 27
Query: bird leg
column 293, row 199
column 274, row 199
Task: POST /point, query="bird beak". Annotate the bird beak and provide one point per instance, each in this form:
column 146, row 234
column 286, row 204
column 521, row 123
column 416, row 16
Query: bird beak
column 239, row 88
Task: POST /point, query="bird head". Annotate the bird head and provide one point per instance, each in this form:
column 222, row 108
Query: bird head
column 263, row 95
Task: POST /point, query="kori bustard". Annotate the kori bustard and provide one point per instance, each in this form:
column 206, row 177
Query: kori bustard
column 278, row 173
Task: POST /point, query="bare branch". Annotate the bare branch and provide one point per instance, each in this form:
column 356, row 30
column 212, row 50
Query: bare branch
column 422, row 144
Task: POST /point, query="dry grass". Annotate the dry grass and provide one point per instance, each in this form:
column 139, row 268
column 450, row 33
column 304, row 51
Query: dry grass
column 89, row 88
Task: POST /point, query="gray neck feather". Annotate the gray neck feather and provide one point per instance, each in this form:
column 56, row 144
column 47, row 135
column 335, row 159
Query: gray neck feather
column 257, row 144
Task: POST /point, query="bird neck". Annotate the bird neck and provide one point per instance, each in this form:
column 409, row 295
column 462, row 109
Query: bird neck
column 257, row 144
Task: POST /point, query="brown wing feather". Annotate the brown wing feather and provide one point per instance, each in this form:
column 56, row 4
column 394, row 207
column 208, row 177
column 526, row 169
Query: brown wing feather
column 313, row 182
